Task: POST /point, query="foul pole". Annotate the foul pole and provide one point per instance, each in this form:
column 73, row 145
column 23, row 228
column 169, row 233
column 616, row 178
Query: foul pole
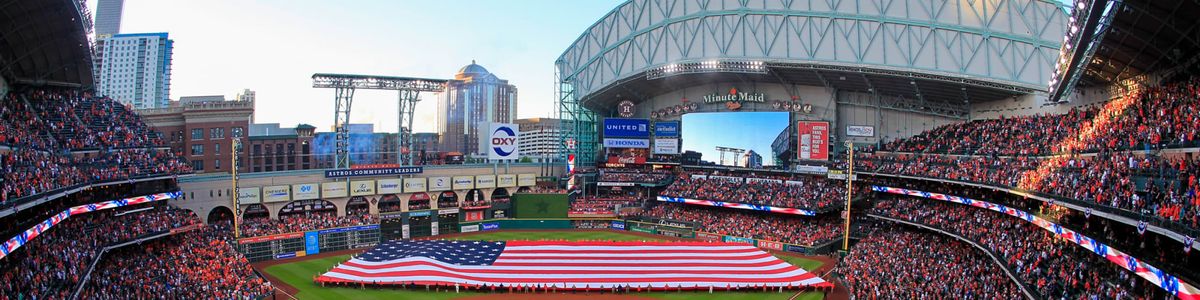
column 849, row 193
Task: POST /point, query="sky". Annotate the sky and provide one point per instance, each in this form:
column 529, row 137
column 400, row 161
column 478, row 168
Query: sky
column 274, row 46
column 703, row 132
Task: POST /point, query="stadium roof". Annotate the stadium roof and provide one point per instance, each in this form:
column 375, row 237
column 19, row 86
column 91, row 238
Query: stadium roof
column 944, row 95
column 1112, row 41
column 1145, row 36
column 45, row 42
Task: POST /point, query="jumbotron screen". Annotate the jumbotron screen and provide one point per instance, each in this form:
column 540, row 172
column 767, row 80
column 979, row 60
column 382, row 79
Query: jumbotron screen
column 744, row 131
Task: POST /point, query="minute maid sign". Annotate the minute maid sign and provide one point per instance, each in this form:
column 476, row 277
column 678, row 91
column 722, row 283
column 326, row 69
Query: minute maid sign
column 735, row 96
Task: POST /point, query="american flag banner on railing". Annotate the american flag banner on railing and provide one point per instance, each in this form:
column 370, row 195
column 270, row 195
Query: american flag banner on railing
column 766, row 208
column 1158, row 277
column 25, row 236
column 571, row 265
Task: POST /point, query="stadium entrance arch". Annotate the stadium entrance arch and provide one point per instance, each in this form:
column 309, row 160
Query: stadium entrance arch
column 220, row 214
column 447, row 199
column 357, row 205
column 500, row 195
column 389, row 203
column 255, row 211
column 418, row 201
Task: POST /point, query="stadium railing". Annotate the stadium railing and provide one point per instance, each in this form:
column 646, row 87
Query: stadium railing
column 1175, row 230
column 18, row 204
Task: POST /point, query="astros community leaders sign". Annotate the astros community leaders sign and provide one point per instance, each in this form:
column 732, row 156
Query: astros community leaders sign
column 338, row 173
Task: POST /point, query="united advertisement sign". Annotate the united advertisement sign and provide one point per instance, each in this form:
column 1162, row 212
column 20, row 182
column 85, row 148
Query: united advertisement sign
column 626, row 128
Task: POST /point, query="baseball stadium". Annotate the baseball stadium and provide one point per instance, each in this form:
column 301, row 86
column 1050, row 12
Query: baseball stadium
column 697, row 149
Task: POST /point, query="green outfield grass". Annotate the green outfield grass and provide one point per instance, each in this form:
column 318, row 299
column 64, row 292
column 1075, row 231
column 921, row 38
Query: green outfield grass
column 300, row 274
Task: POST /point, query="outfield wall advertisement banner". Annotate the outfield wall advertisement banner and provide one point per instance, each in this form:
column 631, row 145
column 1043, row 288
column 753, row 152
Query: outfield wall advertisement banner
column 312, row 245
column 439, row 184
column 526, row 179
column 485, row 181
column 334, row 189
column 362, row 188
column 619, row 225
column 469, row 228
column 248, row 195
column 738, row 239
column 770, row 245
column 489, row 226
column 504, row 141
column 463, row 183
column 307, row 191
column 506, row 180
column 813, row 140
column 277, row 193
column 414, row 185
column 388, row 186
column 708, row 236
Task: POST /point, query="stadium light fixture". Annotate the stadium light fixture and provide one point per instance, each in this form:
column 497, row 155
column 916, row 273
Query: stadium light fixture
column 708, row 66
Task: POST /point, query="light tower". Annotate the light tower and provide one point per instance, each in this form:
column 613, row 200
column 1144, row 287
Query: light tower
column 344, row 86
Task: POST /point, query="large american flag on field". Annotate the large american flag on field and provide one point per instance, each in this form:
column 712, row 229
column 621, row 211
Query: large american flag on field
column 570, row 265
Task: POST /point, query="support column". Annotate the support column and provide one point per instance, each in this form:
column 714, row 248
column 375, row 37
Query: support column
column 343, row 98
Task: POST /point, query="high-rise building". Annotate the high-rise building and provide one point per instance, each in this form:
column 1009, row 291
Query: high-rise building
column 539, row 138
column 472, row 100
column 135, row 69
column 108, row 17
column 751, row 160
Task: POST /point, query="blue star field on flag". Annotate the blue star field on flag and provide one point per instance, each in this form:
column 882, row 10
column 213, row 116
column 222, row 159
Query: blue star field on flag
column 477, row 253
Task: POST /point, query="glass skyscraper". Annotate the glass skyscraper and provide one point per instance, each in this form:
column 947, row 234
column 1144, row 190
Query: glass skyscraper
column 472, row 100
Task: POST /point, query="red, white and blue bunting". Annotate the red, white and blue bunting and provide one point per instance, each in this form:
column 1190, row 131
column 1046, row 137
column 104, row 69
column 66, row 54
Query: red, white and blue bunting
column 766, row 208
column 24, row 237
column 1156, row 276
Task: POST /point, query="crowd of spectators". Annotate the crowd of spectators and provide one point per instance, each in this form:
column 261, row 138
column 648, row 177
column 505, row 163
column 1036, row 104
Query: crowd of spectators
column 51, row 265
column 1169, row 189
column 200, row 264
column 1155, row 117
column 1083, row 154
column 601, row 204
column 303, row 221
column 897, row 263
column 537, row 189
column 635, row 176
column 803, row 192
column 796, row 230
column 1055, row 268
column 40, row 130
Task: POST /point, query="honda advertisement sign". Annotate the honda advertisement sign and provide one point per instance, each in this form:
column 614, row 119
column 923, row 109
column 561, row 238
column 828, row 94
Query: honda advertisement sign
column 666, row 146
column 503, row 142
column 813, row 140
column 626, row 143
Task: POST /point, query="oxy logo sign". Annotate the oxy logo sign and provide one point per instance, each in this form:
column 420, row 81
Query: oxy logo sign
column 504, row 142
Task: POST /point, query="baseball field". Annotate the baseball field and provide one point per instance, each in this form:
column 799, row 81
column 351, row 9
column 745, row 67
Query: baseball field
column 295, row 276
